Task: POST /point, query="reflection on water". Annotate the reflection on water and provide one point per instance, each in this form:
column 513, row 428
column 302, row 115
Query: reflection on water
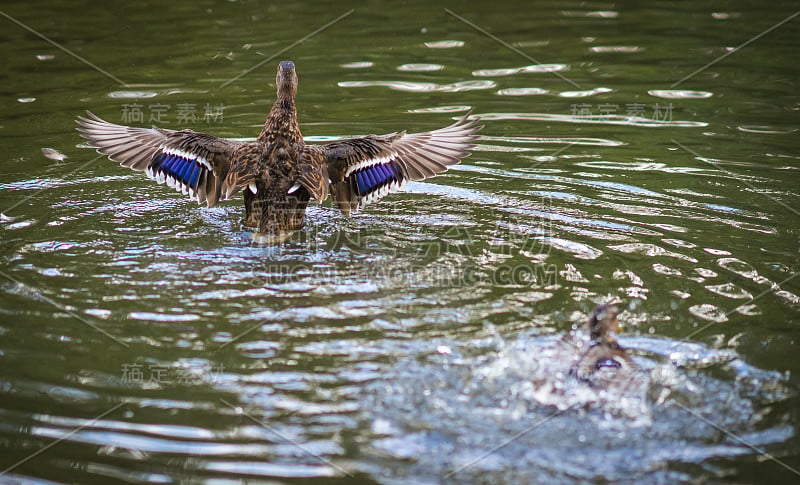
column 145, row 334
column 519, row 70
column 679, row 94
column 445, row 44
column 420, row 67
column 627, row 49
column 603, row 119
column 422, row 87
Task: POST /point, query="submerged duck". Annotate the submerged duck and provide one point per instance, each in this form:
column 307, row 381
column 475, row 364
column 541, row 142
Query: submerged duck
column 604, row 359
column 278, row 172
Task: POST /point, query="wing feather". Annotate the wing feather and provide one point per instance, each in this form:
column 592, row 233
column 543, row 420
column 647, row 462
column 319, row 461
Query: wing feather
column 190, row 162
column 366, row 169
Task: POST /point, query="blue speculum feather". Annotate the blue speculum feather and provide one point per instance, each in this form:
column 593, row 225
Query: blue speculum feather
column 158, row 162
column 371, row 182
column 194, row 175
column 361, row 183
column 372, row 178
column 168, row 165
column 186, row 171
column 182, row 169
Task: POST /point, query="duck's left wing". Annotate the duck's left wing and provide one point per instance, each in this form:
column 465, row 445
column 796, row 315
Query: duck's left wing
column 192, row 163
column 363, row 170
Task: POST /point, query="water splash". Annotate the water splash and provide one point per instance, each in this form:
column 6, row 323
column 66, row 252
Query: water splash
column 518, row 414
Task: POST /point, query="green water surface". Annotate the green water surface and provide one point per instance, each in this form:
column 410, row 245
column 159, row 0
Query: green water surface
column 630, row 154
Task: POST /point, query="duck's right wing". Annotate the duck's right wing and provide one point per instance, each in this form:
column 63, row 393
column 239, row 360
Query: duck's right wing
column 192, row 163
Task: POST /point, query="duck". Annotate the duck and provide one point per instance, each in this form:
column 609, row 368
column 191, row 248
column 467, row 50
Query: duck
column 605, row 359
column 278, row 172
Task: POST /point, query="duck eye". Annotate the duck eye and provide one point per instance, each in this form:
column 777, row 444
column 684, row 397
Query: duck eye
column 607, row 362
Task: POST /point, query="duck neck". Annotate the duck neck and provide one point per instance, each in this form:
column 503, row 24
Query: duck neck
column 281, row 122
column 603, row 336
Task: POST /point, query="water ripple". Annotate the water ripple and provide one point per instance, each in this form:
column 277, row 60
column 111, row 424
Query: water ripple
column 559, row 141
column 585, row 93
column 422, row 87
column 679, row 94
column 746, row 270
column 405, row 341
column 522, row 92
column 709, row 312
column 357, row 65
column 163, row 317
column 535, row 68
column 651, row 250
column 577, row 249
column 419, row 67
column 609, row 119
column 642, row 167
column 266, row 469
column 442, row 109
column 766, row 129
column 730, row 290
column 626, row 49
column 603, row 14
column 132, row 94
column 444, row 44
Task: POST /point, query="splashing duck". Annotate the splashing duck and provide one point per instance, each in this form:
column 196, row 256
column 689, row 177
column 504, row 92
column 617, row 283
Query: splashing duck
column 278, row 172
column 604, row 359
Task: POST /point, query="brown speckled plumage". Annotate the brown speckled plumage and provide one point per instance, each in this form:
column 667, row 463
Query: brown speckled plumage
column 604, row 352
column 278, row 172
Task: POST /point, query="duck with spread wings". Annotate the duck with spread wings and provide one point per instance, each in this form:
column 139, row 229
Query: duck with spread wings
column 278, row 172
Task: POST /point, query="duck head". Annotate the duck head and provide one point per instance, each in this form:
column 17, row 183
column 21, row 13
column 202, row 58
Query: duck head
column 282, row 120
column 286, row 80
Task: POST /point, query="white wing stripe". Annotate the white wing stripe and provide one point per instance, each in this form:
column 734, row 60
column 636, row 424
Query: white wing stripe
column 186, row 155
column 370, row 162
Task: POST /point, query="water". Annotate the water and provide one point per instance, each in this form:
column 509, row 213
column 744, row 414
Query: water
column 514, row 414
column 143, row 339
